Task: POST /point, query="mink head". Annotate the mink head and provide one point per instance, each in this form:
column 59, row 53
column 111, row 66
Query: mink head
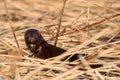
column 33, row 36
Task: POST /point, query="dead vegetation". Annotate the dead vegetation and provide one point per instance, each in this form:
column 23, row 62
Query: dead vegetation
column 90, row 28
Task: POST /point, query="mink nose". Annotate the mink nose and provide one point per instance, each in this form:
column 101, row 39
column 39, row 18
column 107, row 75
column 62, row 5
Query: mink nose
column 31, row 39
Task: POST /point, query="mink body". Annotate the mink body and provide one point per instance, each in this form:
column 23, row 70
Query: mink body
column 39, row 47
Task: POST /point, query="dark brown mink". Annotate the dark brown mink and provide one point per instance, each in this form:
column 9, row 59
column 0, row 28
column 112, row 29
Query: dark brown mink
column 40, row 48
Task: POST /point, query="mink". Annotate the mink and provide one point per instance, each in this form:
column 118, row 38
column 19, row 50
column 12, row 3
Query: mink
column 40, row 48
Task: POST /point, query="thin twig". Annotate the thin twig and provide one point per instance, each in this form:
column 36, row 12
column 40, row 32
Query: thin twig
column 88, row 17
column 78, row 28
column 11, row 26
column 79, row 47
column 89, row 59
column 59, row 25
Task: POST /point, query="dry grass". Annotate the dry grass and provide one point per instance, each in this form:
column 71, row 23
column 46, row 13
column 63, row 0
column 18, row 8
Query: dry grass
column 88, row 27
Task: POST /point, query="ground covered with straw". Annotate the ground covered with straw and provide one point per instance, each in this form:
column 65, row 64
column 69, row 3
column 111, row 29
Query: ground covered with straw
column 90, row 28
